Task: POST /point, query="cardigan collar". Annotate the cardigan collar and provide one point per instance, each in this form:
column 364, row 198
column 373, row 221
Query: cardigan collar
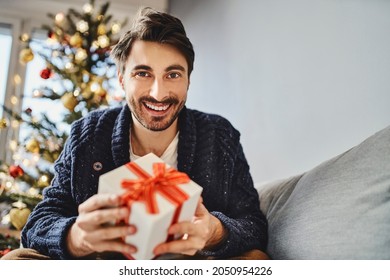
column 120, row 141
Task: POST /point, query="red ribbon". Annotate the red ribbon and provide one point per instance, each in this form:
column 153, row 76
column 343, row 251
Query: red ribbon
column 145, row 188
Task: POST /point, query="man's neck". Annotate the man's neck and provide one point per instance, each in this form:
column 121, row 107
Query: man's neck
column 145, row 141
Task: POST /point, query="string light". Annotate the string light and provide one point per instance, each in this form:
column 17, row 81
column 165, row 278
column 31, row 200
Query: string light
column 14, row 100
column 82, row 26
column 37, row 93
column 103, row 41
column 95, row 87
column 8, row 185
column 15, row 123
column 59, row 18
column 36, row 158
column 115, row 28
column 13, row 145
column 44, row 178
column 26, row 162
column 17, row 79
column 81, row 55
column 87, row 8
column 76, row 92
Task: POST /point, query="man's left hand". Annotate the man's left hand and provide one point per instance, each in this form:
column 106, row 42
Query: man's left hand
column 204, row 231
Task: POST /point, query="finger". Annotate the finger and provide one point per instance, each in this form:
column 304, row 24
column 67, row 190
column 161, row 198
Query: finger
column 184, row 228
column 201, row 210
column 189, row 246
column 92, row 220
column 114, row 246
column 99, row 201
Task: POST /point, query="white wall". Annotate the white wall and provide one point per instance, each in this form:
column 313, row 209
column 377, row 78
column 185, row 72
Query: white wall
column 303, row 80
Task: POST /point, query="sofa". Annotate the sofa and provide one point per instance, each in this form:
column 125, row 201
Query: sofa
column 338, row 210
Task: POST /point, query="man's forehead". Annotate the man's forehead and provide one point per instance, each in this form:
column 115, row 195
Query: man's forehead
column 145, row 54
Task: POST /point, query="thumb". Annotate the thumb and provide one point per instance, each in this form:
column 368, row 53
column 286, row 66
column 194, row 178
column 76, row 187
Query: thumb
column 200, row 209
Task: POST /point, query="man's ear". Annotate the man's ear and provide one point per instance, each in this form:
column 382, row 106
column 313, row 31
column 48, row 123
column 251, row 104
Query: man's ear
column 120, row 77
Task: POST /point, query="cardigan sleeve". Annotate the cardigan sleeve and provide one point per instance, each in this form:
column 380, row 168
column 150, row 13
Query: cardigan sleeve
column 47, row 227
column 242, row 218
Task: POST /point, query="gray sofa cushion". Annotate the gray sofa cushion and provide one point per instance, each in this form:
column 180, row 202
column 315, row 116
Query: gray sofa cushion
column 338, row 210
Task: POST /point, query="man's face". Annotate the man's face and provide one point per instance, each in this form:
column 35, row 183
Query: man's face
column 155, row 82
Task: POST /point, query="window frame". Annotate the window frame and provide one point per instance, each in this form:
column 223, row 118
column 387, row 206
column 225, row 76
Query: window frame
column 19, row 26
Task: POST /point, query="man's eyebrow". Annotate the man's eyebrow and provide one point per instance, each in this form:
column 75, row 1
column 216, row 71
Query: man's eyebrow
column 175, row 67
column 142, row 67
column 169, row 68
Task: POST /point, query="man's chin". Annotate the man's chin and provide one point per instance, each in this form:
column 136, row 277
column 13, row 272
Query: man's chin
column 158, row 126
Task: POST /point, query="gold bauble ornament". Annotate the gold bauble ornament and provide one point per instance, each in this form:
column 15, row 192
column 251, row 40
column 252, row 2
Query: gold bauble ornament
column 69, row 101
column 87, row 93
column 50, row 156
column 101, row 92
column 33, row 146
column 76, row 40
column 26, row 55
column 101, row 30
column 3, row 123
column 18, row 217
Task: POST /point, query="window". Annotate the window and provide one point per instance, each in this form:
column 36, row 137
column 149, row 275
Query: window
column 9, row 29
column 5, row 54
column 52, row 108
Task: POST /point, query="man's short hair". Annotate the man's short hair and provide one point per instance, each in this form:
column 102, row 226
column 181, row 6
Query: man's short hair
column 154, row 26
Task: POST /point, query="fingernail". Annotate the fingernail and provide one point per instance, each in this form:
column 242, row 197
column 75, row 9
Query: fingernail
column 132, row 250
column 114, row 198
column 131, row 230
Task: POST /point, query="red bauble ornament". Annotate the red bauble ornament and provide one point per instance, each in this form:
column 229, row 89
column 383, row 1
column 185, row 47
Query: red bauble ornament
column 15, row 171
column 28, row 111
column 50, row 34
column 45, row 73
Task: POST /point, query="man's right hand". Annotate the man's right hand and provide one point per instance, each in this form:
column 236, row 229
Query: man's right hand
column 92, row 232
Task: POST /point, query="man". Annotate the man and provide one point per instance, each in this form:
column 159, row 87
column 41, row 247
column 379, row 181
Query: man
column 154, row 60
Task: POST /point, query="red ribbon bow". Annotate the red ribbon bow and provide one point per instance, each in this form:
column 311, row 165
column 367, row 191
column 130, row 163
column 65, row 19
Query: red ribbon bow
column 144, row 188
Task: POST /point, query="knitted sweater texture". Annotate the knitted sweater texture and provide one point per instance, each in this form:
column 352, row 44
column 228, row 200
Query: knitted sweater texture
column 209, row 151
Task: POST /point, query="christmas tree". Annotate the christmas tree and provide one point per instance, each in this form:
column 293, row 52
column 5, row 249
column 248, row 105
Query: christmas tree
column 80, row 75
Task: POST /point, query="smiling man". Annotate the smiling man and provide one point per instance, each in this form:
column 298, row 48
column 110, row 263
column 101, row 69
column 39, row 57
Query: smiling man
column 155, row 60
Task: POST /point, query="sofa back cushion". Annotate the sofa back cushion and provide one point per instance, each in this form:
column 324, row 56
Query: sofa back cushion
column 338, row 210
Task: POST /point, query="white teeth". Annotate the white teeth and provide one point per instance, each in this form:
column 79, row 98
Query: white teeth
column 157, row 108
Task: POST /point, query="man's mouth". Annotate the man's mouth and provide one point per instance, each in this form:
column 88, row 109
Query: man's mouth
column 157, row 107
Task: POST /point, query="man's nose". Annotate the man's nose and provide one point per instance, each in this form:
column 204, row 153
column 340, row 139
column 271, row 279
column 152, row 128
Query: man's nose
column 158, row 90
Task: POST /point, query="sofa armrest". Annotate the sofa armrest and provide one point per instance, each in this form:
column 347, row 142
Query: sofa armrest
column 275, row 193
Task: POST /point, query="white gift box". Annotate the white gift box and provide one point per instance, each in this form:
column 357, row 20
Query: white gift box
column 152, row 228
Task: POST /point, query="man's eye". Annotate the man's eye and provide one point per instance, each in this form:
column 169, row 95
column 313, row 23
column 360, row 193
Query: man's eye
column 174, row 75
column 142, row 74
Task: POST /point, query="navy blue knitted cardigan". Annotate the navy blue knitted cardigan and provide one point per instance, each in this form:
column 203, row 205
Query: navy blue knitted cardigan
column 209, row 151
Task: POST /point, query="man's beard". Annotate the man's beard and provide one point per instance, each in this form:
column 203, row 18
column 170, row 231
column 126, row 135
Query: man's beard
column 156, row 123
